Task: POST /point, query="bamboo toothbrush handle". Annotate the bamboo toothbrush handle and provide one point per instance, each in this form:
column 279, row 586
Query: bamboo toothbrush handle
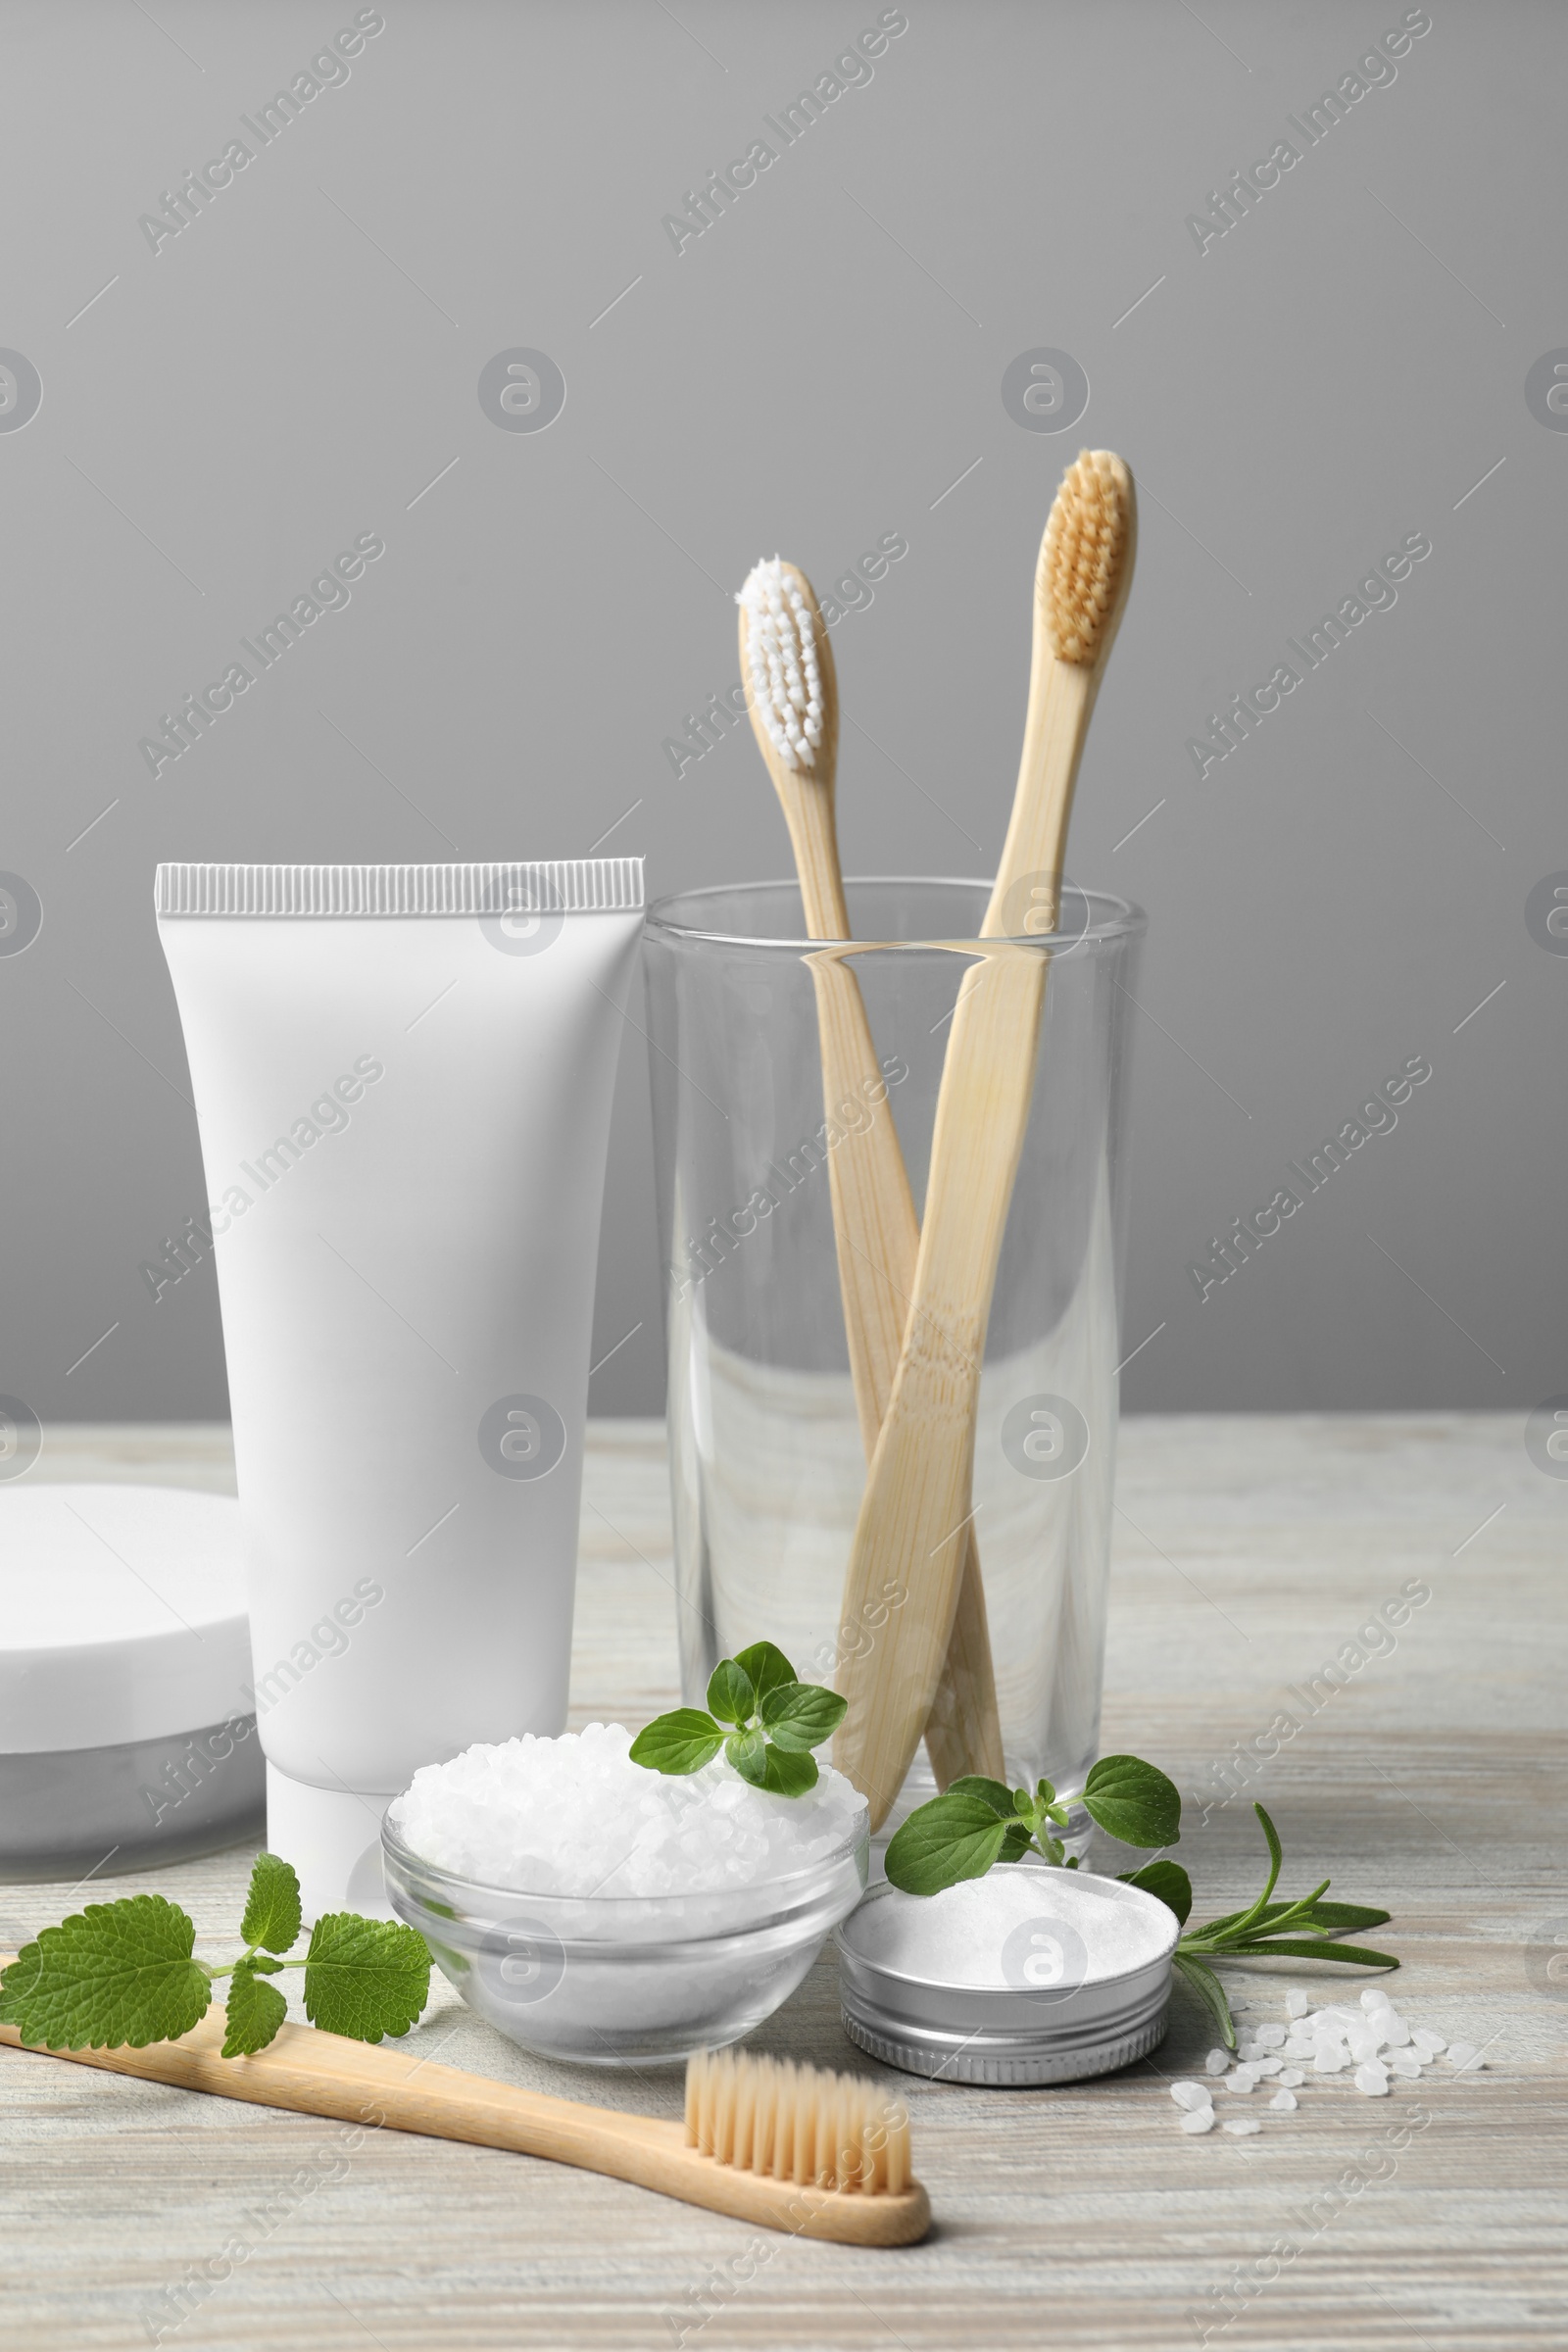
column 915, row 1508
column 324, row 2074
column 878, row 1235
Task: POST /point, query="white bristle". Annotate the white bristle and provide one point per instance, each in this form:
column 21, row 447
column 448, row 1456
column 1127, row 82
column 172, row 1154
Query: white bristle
column 786, row 679
column 797, row 2123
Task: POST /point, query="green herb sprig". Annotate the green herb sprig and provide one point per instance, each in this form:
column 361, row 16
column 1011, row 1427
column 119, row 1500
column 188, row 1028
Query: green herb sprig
column 122, row 1975
column 977, row 1823
column 764, row 1719
column 1306, row 1930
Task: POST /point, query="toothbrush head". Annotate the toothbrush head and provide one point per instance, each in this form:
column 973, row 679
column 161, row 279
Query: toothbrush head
column 784, row 681
column 1086, row 557
column 800, row 2123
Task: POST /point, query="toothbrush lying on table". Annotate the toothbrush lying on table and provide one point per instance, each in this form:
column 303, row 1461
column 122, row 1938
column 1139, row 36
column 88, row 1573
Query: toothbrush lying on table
column 792, row 693
column 789, row 2147
column 917, row 1505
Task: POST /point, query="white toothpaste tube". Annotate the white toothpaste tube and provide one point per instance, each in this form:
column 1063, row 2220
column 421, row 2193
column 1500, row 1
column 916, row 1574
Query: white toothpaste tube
column 402, row 1078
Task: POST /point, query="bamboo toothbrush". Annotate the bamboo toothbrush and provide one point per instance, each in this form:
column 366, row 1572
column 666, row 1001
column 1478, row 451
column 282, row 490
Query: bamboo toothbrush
column 788, row 2146
column 916, row 1505
column 792, row 692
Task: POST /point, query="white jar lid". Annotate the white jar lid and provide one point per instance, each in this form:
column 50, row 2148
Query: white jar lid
column 121, row 1615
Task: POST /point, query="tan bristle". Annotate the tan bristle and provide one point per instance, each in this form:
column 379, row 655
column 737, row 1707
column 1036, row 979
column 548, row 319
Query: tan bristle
column 1083, row 561
column 797, row 2123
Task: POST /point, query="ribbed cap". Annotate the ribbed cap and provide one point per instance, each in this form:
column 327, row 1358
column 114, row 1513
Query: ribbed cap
column 569, row 885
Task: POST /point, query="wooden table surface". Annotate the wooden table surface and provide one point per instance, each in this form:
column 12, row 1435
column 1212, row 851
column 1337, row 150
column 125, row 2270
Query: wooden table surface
column 1248, row 1552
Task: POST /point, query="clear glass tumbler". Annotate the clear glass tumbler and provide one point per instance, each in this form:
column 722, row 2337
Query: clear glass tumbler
column 768, row 1463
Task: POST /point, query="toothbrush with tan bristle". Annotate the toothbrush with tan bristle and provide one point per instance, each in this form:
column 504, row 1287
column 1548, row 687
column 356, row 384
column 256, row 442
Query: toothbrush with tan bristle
column 788, row 2146
column 792, row 692
column 917, row 1505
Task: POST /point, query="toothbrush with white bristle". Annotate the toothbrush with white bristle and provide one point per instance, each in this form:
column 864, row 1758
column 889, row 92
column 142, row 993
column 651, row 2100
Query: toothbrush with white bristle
column 792, row 691
column 785, row 672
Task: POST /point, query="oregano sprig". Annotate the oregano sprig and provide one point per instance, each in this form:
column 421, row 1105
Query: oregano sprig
column 759, row 1713
column 977, row 1823
column 123, row 1974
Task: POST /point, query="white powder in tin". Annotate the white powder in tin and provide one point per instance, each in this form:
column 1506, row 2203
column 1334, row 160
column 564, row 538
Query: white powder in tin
column 574, row 1816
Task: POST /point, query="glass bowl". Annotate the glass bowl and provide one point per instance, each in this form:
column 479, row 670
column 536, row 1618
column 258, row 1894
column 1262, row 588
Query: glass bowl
column 626, row 1979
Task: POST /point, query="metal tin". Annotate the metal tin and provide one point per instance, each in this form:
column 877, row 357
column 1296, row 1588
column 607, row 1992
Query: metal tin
column 1027, row 1976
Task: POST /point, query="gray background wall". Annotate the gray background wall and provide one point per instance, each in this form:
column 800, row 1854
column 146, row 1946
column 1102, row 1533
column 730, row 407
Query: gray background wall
column 1346, row 367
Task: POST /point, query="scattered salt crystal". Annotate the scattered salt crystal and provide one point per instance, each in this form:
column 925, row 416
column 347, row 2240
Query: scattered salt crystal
column 1198, row 2119
column 1372, row 2081
column 1301, row 2046
column 1242, row 2125
column 1464, row 2057
column 1374, row 1998
column 1284, row 2102
column 574, row 1816
column 1329, row 2061
column 1192, row 2095
column 1297, row 2003
column 1270, row 2065
column 1395, row 2032
column 1270, row 2037
column 1242, row 2082
column 1408, row 2063
column 1429, row 2043
column 1216, row 2062
column 1291, row 2079
column 1365, row 2043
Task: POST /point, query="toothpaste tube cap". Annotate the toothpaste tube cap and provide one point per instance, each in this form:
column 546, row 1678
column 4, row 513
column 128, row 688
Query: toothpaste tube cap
column 332, row 1837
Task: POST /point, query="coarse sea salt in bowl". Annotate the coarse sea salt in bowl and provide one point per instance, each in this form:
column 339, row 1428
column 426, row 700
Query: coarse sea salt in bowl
column 595, row 1911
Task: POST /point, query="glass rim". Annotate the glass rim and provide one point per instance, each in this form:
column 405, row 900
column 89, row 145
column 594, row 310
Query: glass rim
column 1124, row 920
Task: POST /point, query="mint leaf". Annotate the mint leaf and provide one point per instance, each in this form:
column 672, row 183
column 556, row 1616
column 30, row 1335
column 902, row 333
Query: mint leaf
column 256, row 2010
column 801, row 1715
column 954, row 1836
column 1133, row 1801
column 765, row 1667
column 273, row 1906
column 112, row 1976
column 730, row 1696
column 365, row 1976
column 993, row 1793
column 747, row 1752
column 16, row 1981
column 683, row 1741
column 1166, row 1879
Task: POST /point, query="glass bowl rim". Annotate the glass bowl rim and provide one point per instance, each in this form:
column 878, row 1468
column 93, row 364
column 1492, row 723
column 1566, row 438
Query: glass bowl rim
column 1125, row 921
column 604, row 1905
